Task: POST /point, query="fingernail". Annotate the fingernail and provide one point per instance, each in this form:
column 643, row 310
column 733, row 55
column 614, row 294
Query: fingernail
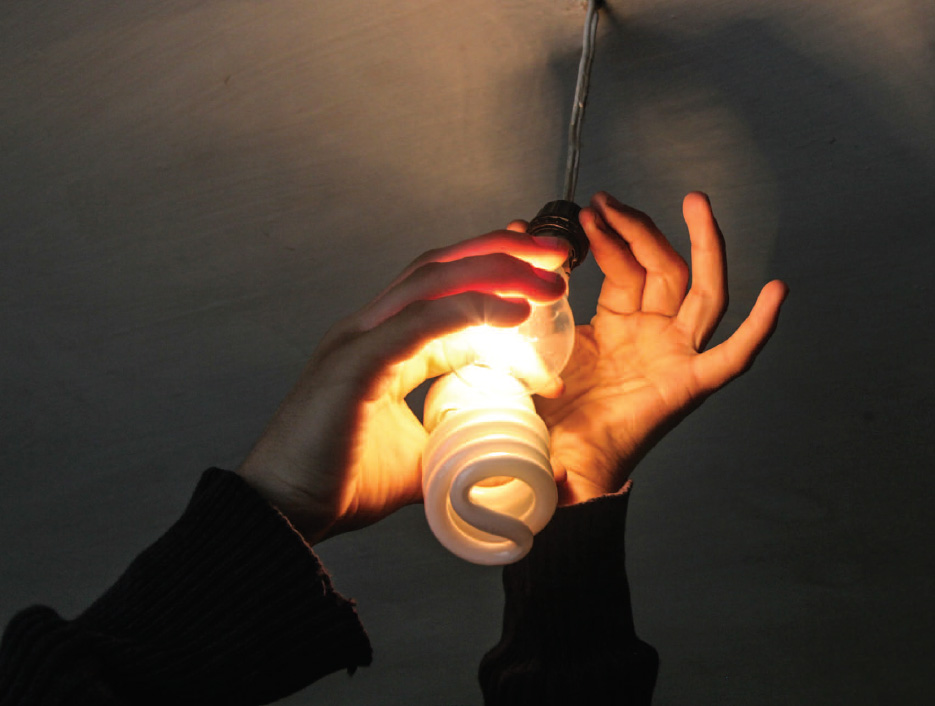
column 600, row 222
column 552, row 242
column 614, row 202
column 554, row 279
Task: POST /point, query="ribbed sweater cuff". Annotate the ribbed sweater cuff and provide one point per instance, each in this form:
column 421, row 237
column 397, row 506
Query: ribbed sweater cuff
column 568, row 634
column 229, row 606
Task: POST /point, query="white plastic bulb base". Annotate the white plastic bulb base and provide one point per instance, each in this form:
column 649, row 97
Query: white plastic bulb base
column 486, row 476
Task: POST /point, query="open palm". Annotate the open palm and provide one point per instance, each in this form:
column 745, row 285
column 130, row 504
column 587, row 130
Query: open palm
column 640, row 366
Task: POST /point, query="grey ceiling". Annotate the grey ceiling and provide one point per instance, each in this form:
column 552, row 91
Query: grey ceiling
column 191, row 192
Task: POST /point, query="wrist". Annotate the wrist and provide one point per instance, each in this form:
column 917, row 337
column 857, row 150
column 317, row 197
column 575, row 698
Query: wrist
column 598, row 482
column 290, row 502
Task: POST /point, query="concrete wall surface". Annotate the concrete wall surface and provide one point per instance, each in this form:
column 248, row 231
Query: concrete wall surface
column 192, row 192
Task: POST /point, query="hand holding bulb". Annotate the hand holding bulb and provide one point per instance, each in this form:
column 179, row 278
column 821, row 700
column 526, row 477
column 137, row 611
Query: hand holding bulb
column 344, row 450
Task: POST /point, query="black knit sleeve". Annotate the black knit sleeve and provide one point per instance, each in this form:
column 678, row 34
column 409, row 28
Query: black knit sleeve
column 228, row 606
column 568, row 635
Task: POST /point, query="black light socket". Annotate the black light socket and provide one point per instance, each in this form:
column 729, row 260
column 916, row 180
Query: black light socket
column 560, row 219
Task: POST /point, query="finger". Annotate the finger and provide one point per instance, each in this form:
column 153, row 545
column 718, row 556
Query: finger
column 518, row 226
column 498, row 273
column 706, row 301
column 558, row 471
column 542, row 252
column 666, row 271
column 554, row 388
column 403, row 335
column 734, row 356
column 622, row 292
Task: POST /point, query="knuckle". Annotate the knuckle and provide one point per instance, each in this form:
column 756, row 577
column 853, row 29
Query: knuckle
column 493, row 267
column 681, row 269
column 509, row 266
column 418, row 309
column 468, row 307
column 746, row 364
column 743, row 363
column 642, row 219
column 502, row 261
column 422, row 317
column 430, row 271
column 429, row 256
column 678, row 273
column 339, row 333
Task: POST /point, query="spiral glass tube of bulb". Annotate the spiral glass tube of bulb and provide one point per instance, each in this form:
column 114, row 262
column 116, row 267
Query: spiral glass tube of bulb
column 487, row 479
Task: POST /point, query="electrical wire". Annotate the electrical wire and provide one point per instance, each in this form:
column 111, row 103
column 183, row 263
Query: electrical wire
column 581, row 97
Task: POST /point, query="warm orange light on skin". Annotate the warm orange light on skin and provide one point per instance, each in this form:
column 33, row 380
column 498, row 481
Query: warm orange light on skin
column 502, row 349
column 552, row 261
column 534, row 353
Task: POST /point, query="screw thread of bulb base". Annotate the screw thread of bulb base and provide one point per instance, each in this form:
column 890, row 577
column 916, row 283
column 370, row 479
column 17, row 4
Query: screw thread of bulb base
column 487, row 481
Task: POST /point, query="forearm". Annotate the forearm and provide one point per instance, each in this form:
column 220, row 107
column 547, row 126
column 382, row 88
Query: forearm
column 229, row 606
column 568, row 634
